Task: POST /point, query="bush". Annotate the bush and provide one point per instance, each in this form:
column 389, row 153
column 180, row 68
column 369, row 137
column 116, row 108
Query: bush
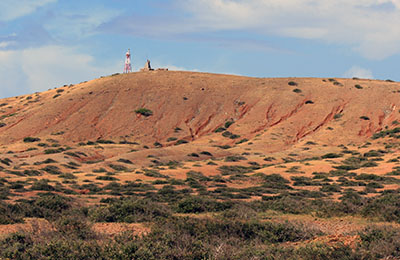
column 46, row 205
column 193, row 155
column 68, row 176
column 206, row 153
column 225, row 146
column 234, row 158
column 230, row 135
column 23, row 246
column 199, row 204
column 129, row 210
column 197, row 175
column 8, row 214
column 337, row 116
column 181, row 141
column 230, row 169
column 101, row 141
column 219, row 129
column 242, row 141
column 42, row 185
column 51, row 151
column 106, row 178
column 144, row 112
column 228, row 124
column 52, row 169
column 331, row 156
column 125, row 161
column 118, row 167
column 330, row 188
column 31, row 139
column 385, row 207
column 379, row 242
column 74, row 227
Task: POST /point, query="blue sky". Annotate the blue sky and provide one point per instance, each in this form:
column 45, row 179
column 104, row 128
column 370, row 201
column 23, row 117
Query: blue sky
column 49, row 43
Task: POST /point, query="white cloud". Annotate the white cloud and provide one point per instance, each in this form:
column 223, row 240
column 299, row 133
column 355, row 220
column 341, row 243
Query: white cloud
column 6, row 44
column 37, row 69
column 11, row 9
column 358, row 72
column 370, row 27
column 78, row 23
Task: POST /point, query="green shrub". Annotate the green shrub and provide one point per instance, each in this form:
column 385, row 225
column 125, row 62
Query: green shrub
column 129, row 210
column 330, row 188
column 117, row 167
column 242, row 141
column 47, row 205
column 102, row 141
column 154, row 173
column 228, row 124
column 31, row 139
column 384, row 133
column 42, row 184
column 373, row 153
column 106, row 178
column 234, row 158
column 193, row 155
column 379, row 242
column 225, row 146
column 337, row 116
column 52, row 169
column 385, row 207
column 144, row 112
column 157, row 144
column 206, row 153
column 236, row 169
column 331, row 156
column 48, row 160
column 125, row 161
column 197, row 175
column 68, row 176
column 230, row 135
column 219, row 129
column 74, row 227
column 199, row 204
column 51, row 151
column 8, row 214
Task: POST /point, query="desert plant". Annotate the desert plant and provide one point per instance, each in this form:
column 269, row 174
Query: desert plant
column 144, row 112
column 31, row 139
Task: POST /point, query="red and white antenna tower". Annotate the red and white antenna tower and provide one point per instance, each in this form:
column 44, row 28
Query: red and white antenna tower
column 128, row 67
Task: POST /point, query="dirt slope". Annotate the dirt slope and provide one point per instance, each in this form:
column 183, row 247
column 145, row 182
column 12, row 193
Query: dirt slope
column 270, row 112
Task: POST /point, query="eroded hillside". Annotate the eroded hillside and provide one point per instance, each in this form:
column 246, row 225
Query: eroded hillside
column 290, row 167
